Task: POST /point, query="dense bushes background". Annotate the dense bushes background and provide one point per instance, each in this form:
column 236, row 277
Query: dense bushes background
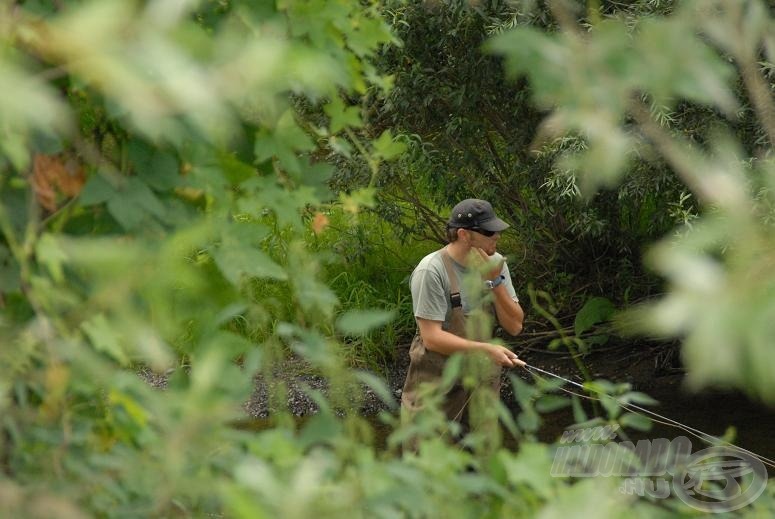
column 219, row 190
column 470, row 130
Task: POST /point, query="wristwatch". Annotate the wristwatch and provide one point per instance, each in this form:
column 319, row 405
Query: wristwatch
column 492, row 283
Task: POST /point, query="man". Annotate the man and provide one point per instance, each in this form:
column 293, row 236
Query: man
column 441, row 307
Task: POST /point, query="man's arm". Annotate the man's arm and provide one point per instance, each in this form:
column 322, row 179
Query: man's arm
column 509, row 312
column 437, row 339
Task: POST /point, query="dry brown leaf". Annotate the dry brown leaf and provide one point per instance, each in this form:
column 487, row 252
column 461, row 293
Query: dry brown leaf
column 52, row 174
column 319, row 222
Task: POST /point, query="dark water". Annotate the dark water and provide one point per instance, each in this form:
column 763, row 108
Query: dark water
column 710, row 412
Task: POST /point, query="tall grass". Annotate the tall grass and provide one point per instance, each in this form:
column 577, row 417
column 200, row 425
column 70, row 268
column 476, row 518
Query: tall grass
column 367, row 266
column 371, row 271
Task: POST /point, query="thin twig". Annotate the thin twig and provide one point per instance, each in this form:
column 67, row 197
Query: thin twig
column 760, row 95
column 679, row 155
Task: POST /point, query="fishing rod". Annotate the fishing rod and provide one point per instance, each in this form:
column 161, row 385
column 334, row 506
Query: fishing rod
column 708, row 438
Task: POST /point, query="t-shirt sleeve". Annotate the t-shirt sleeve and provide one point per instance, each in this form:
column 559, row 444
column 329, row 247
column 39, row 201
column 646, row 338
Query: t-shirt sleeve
column 509, row 285
column 429, row 299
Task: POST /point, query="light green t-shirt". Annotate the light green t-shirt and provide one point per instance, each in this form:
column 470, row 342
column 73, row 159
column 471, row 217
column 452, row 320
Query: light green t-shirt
column 431, row 288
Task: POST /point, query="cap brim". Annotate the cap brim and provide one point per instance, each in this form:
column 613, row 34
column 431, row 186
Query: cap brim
column 494, row 225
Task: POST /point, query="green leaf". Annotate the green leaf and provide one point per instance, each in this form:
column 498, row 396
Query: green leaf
column 635, row 421
column 602, row 386
column 265, row 146
column 96, row 191
column 596, row 340
column 342, row 116
column 135, row 203
column 636, row 397
column 506, row 416
column 9, row 271
column 530, row 467
column 384, row 82
column 237, row 260
column 529, row 50
column 14, row 147
column 284, row 142
column 231, row 344
column 529, row 420
column 603, row 162
column 588, row 424
column 315, row 297
column 316, row 175
column 353, row 202
column 162, row 172
column 50, row 254
column 340, row 146
column 287, row 204
column 370, row 33
column 452, row 369
column 104, row 338
column 47, row 143
column 126, row 214
column 523, row 391
column 700, row 75
column 386, row 147
column 548, row 385
column 133, row 408
column 379, row 387
column 234, row 169
column 595, row 310
column 360, row 322
column 322, row 428
column 550, row 403
column 579, row 415
column 245, row 233
column 611, row 405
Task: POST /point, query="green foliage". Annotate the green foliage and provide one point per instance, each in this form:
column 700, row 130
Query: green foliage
column 711, row 300
column 470, row 131
column 370, row 269
column 596, row 310
column 154, row 177
column 165, row 206
column 358, row 322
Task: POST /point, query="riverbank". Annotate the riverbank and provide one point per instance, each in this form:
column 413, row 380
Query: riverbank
column 650, row 368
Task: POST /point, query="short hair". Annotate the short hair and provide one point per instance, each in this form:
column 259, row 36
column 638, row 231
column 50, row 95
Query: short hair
column 452, row 234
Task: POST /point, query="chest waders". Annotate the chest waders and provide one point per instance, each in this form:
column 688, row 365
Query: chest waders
column 426, row 366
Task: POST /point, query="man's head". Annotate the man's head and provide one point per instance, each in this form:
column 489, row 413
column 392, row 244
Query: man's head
column 475, row 216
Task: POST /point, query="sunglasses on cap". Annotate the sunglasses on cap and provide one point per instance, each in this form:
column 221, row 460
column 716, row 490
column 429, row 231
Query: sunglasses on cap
column 483, row 232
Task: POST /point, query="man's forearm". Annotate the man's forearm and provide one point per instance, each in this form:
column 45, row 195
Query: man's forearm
column 447, row 343
column 440, row 341
column 509, row 312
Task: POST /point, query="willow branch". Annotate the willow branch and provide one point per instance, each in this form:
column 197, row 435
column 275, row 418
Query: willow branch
column 760, row 95
column 679, row 156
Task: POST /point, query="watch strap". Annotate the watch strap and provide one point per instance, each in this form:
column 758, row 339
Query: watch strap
column 492, row 283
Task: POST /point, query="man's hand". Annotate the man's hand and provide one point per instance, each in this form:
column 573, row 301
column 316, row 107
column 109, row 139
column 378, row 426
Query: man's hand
column 484, row 259
column 504, row 356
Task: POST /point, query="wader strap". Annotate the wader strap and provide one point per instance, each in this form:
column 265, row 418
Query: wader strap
column 454, row 293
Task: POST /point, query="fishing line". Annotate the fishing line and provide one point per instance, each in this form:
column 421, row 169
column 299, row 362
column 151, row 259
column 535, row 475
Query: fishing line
column 633, row 408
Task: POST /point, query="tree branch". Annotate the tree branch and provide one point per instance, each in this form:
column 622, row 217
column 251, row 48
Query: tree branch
column 760, row 95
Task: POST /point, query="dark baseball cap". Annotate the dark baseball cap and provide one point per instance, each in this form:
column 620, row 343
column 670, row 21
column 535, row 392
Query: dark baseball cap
column 473, row 213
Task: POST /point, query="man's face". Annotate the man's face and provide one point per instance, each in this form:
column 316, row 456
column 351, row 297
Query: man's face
column 481, row 240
